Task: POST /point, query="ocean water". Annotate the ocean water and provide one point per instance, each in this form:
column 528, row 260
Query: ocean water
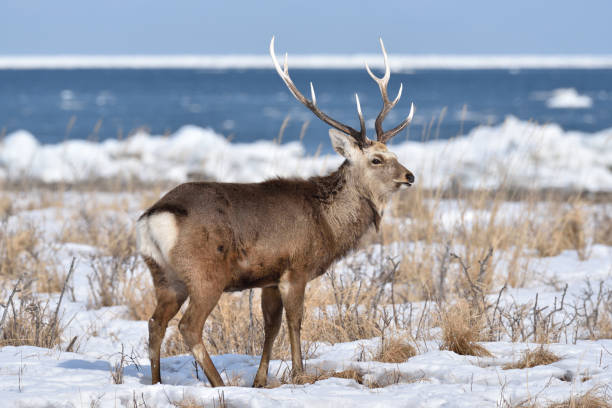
column 250, row 104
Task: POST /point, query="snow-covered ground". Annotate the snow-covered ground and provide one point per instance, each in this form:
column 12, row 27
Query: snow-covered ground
column 512, row 154
column 35, row 377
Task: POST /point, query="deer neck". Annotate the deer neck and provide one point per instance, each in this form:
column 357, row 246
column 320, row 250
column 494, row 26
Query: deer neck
column 348, row 210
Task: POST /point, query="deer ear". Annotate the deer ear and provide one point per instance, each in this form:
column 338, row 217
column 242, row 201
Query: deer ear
column 343, row 144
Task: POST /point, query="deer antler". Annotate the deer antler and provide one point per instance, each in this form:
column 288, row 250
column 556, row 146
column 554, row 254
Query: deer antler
column 387, row 104
column 359, row 136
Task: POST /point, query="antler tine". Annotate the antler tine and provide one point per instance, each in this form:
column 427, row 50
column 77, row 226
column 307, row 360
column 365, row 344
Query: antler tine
column 390, row 133
column 383, row 82
column 361, row 121
column 312, row 94
column 360, row 136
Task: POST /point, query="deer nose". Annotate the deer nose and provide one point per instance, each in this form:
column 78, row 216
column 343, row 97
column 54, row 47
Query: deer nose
column 410, row 177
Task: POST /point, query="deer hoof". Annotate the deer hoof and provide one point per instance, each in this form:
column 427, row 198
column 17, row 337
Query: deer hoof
column 259, row 383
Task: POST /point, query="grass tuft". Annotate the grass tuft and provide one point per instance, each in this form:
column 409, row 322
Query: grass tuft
column 395, row 350
column 461, row 331
column 532, row 358
column 594, row 398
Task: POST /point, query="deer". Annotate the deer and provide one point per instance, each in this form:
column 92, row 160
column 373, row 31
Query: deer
column 202, row 239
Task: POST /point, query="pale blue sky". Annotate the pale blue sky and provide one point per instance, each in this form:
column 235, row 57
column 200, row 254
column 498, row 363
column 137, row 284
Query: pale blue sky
column 332, row 26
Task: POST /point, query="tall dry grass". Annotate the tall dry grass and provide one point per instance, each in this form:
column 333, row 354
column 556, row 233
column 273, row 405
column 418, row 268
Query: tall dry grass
column 596, row 397
column 453, row 244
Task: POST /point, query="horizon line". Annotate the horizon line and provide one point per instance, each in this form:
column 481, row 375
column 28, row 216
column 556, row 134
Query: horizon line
column 398, row 62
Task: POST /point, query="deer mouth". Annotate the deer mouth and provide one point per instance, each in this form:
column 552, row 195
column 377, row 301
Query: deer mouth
column 403, row 183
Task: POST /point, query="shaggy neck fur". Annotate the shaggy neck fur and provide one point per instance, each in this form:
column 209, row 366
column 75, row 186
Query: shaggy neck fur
column 348, row 209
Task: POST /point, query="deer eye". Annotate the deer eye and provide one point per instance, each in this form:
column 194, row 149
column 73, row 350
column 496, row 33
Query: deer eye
column 376, row 161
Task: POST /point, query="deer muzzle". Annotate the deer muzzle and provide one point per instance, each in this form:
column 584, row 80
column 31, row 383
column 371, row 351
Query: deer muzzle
column 407, row 180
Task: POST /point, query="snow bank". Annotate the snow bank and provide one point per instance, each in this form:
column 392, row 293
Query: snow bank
column 515, row 153
column 353, row 61
column 568, row 98
column 34, row 377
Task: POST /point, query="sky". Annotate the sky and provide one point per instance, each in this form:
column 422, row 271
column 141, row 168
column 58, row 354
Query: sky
column 305, row 27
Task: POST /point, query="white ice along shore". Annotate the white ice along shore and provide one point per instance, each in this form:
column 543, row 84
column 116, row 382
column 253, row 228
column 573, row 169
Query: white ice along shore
column 515, row 153
column 353, row 61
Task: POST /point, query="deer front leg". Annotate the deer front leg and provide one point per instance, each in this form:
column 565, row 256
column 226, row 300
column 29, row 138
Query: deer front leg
column 272, row 308
column 292, row 295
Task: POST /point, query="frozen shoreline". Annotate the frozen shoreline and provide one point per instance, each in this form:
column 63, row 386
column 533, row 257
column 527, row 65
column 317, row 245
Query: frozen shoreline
column 353, row 61
column 513, row 154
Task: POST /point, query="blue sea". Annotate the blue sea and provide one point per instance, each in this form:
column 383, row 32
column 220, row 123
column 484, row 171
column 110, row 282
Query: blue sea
column 250, row 104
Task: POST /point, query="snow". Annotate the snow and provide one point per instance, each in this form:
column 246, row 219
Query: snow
column 352, row 61
column 568, row 98
column 35, row 377
column 515, row 153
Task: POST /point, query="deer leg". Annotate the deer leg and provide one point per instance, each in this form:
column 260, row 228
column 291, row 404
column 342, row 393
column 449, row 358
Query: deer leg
column 191, row 326
column 168, row 304
column 292, row 294
column 272, row 308
column 169, row 301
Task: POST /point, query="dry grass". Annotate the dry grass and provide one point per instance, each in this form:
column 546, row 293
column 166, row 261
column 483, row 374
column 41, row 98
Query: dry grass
column 19, row 249
column 547, row 223
column 26, row 264
column 30, row 322
column 565, row 231
column 394, row 350
column 116, row 278
column 532, row 358
column 585, row 401
column 351, row 305
column 310, row 377
column 349, row 374
column 332, row 309
column 317, row 375
column 6, row 206
column 461, row 331
column 348, row 306
column 603, row 227
column 24, row 253
column 594, row 398
column 188, row 401
column 27, row 320
column 393, row 377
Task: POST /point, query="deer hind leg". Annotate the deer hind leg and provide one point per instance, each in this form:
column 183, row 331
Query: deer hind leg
column 170, row 296
column 272, row 308
column 192, row 324
column 292, row 295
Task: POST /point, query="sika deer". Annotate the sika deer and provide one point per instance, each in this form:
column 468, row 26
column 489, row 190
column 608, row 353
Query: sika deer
column 203, row 239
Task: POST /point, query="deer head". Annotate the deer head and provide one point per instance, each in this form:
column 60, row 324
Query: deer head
column 374, row 169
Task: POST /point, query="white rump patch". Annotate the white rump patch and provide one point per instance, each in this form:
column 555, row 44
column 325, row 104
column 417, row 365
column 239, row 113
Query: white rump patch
column 157, row 236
